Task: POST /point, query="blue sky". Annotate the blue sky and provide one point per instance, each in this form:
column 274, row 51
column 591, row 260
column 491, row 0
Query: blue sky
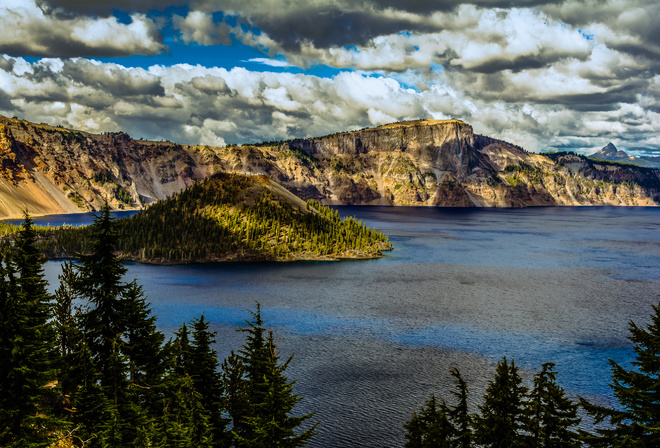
column 569, row 75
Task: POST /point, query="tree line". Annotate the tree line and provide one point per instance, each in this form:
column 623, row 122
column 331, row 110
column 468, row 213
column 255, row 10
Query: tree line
column 87, row 366
column 512, row 415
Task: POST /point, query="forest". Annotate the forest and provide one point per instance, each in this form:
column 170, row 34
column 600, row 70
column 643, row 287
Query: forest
column 227, row 217
column 88, row 367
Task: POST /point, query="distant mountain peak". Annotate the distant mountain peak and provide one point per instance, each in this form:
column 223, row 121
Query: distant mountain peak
column 609, row 149
column 610, row 152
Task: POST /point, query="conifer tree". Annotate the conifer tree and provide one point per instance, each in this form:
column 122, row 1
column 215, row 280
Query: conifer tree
column 502, row 413
column 29, row 355
column 121, row 346
column 431, row 427
column 551, row 413
column 100, row 282
column 637, row 422
column 207, row 378
column 270, row 395
column 236, row 393
column 459, row 414
column 66, row 328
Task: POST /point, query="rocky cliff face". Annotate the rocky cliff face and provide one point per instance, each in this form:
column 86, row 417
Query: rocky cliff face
column 423, row 163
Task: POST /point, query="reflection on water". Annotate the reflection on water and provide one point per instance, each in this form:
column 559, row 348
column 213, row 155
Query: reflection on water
column 372, row 339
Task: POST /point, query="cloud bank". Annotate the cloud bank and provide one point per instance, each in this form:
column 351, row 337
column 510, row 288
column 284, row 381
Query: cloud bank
column 545, row 75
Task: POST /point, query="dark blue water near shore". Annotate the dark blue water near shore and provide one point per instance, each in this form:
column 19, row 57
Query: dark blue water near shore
column 372, row 339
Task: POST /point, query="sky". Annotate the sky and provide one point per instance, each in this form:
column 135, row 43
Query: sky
column 570, row 75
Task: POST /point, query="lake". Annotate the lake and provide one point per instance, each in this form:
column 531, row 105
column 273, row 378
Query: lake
column 463, row 287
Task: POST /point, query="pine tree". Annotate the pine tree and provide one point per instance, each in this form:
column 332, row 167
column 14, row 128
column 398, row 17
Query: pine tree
column 236, row 393
column 502, row 414
column 268, row 421
column 459, row 414
column 29, row 355
column 551, row 413
column 431, row 427
column 66, row 319
column 121, row 346
column 100, row 282
column 207, row 378
column 637, row 422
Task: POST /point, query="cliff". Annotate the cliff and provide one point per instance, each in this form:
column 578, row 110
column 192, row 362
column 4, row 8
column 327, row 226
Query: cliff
column 422, row 163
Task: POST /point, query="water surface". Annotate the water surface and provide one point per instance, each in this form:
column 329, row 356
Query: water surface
column 463, row 287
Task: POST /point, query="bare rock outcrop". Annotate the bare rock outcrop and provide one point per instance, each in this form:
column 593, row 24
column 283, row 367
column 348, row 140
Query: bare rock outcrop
column 47, row 169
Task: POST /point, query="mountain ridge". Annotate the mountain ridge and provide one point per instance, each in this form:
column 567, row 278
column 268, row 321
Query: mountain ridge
column 610, row 152
column 49, row 169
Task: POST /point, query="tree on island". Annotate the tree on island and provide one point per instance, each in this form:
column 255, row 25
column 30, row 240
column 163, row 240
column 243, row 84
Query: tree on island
column 636, row 423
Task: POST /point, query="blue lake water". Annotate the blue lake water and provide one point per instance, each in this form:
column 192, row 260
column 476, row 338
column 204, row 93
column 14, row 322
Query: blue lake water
column 463, row 287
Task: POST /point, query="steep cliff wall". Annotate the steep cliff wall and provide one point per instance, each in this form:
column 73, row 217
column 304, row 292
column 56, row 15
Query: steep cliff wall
column 423, row 163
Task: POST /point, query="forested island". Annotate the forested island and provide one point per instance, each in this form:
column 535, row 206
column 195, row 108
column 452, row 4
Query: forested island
column 227, row 217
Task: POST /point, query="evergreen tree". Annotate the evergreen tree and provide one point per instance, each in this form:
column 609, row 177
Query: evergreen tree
column 236, row 393
column 459, row 414
column 121, row 346
column 502, row 414
column 207, row 378
column 29, row 355
column 431, row 428
column 271, row 399
column 100, row 282
column 66, row 319
column 551, row 413
column 637, row 422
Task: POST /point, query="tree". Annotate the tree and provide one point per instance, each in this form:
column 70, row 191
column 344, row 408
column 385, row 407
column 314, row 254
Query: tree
column 637, row 422
column 28, row 354
column 502, row 414
column 121, row 345
column 459, row 415
column 268, row 421
column 551, row 413
column 431, row 427
column 207, row 378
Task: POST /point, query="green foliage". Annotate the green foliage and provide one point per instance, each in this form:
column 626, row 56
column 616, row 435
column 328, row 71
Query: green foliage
column 28, row 355
column 101, row 375
column 636, row 423
column 267, row 419
column 551, row 415
column 502, row 415
column 509, row 416
column 228, row 217
column 430, row 428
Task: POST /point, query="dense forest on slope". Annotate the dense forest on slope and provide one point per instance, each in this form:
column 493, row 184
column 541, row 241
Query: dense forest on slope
column 229, row 217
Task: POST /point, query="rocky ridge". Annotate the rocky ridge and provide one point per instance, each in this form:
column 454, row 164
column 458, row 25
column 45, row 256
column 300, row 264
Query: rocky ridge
column 50, row 169
column 610, row 152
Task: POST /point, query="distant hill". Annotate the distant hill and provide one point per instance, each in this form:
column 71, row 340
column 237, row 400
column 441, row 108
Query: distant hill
column 441, row 163
column 232, row 217
column 610, row 152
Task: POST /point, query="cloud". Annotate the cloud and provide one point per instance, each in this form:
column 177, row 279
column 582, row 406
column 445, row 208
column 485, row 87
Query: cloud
column 199, row 27
column 270, row 62
column 199, row 105
column 28, row 31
